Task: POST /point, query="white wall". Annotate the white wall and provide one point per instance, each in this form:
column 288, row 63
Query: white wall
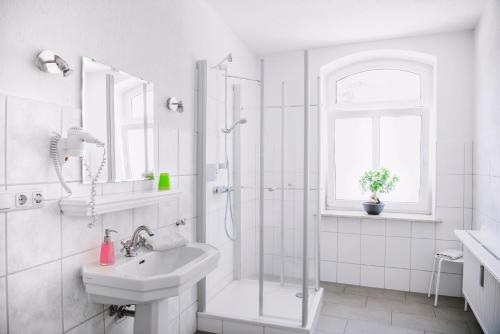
column 398, row 254
column 41, row 251
column 487, row 121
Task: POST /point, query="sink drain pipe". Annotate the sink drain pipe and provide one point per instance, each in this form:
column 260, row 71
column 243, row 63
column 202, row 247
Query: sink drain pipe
column 121, row 311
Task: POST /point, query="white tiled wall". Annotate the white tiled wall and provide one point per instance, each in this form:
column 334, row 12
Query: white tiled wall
column 486, row 182
column 384, row 261
column 215, row 203
column 41, row 251
column 42, row 290
column 238, row 255
column 398, row 254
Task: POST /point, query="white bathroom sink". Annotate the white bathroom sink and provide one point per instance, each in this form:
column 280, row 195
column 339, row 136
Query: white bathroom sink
column 150, row 276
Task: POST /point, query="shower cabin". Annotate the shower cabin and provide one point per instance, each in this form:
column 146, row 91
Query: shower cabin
column 258, row 166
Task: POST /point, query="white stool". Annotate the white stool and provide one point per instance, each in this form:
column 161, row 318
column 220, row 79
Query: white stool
column 439, row 256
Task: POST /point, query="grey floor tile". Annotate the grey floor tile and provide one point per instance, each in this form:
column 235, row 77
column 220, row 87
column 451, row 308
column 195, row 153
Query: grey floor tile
column 333, row 287
column 331, row 324
column 364, row 327
column 442, row 300
column 319, row 331
column 421, row 298
column 352, row 309
column 357, row 313
column 344, row 298
column 376, row 292
column 474, row 327
column 453, row 313
column 399, row 306
column 94, row 325
column 429, row 323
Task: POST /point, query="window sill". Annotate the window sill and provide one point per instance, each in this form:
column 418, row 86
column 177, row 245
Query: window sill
column 414, row 217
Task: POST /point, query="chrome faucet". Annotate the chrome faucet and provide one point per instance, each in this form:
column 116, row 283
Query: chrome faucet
column 132, row 246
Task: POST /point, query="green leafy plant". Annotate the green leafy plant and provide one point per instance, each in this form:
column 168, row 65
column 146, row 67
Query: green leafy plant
column 378, row 181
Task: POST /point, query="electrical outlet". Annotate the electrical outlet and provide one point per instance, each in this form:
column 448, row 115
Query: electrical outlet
column 25, row 199
column 37, row 198
column 21, row 199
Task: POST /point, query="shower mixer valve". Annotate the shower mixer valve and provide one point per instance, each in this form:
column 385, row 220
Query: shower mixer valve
column 222, row 189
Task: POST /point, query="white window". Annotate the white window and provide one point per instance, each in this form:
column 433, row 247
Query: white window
column 378, row 116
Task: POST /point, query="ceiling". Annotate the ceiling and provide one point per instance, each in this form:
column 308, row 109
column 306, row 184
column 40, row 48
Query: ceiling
column 270, row 26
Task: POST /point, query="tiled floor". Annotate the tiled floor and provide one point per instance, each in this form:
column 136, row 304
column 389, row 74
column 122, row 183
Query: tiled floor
column 351, row 309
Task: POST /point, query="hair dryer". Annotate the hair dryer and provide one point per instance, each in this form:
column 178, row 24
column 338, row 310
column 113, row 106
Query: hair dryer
column 74, row 144
column 71, row 146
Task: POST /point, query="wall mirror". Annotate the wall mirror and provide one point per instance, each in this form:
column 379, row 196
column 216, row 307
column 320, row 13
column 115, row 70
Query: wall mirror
column 117, row 109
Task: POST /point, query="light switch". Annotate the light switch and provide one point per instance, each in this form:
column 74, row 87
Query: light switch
column 6, row 201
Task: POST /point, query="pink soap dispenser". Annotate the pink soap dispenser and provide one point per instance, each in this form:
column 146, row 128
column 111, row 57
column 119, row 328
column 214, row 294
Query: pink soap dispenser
column 107, row 249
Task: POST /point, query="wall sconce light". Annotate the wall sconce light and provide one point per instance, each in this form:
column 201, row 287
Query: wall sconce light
column 48, row 62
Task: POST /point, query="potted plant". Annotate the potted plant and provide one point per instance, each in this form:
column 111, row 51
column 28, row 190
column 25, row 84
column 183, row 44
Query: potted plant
column 377, row 181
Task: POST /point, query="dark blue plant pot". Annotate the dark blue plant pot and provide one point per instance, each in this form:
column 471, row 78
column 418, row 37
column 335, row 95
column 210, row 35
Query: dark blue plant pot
column 373, row 208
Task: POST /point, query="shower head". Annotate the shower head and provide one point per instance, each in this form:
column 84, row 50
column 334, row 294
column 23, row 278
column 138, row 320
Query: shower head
column 231, row 128
column 226, row 59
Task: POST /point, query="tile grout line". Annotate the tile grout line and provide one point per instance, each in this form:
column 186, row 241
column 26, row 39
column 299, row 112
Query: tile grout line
column 6, row 256
column 5, row 144
column 59, row 259
column 345, row 326
column 337, row 264
column 81, row 323
column 411, row 252
column 103, row 314
column 6, row 276
column 463, row 190
column 178, row 152
column 385, row 252
column 61, row 236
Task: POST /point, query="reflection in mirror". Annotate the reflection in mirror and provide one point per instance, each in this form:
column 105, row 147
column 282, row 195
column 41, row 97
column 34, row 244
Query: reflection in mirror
column 118, row 109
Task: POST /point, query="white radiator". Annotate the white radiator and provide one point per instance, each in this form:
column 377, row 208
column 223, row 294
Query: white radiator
column 482, row 291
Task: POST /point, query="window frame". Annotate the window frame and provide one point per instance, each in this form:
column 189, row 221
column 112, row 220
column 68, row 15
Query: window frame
column 375, row 111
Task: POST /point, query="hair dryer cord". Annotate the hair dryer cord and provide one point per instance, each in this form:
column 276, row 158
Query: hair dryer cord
column 54, row 155
column 93, row 186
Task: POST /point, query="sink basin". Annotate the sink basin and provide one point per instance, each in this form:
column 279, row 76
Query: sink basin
column 150, row 276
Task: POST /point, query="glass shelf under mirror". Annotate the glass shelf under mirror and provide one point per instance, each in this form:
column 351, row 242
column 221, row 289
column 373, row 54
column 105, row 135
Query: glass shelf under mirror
column 79, row 206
